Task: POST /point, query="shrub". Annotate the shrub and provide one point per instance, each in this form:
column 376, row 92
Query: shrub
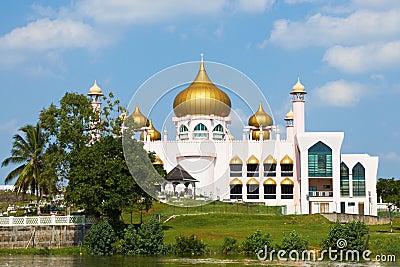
column 189, row 245
column 293, row 241
column 229, row 245
column 147, row 239
column 257, row 241
column 353, row 232
column 100, row 239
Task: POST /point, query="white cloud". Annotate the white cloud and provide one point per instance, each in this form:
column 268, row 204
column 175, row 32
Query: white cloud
column 254, row 6
column 322, row 30
column 340, row 93
column 373, row 4
column 299, row 1
column 392, row 156
column 364, row 58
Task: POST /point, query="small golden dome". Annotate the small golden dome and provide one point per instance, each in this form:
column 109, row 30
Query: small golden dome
column 298, row 88
column 138, row 118
column 236, row 160
column 95, row 90
column 260, row 118
column 158, row 161
column 235, row 181
column 289, row 115
column 202, row 97
column 154, row 134
column 252, row 181
column 269, row 181
column 286, row 160
column 253, row 160
column 287, row 181
column 255, row 135
column 270, row 160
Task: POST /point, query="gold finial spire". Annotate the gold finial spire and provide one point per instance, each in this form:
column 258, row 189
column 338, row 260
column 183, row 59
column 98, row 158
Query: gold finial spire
column 260, row 118
column 298, row 87
column 95, row 89
column 289, row 115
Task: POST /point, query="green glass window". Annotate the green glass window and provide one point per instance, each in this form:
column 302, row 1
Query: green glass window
column 200, row 127
column 320, row 160
column 218, row 128
column 344, row 180
column 183, row 128
column 358, row 180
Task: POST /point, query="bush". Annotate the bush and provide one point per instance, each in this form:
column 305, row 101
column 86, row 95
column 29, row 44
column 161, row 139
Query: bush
column 257, row 241
column 147, row 239
column 229, row 245
column 189, row 245
column 353, row 232
column 293, row 241
column 100, row 239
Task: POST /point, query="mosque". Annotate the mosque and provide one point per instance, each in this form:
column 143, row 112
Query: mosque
column 305, row 172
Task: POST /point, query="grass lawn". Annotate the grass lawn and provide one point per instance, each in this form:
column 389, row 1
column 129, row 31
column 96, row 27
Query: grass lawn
column 215, row 221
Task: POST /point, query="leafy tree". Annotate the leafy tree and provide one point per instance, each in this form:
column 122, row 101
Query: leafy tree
column 257, row 241
column 293, row 241
column 353, row 232
column 389, row 191
column 100, row 239
column 99, row 180
column 27, row 151
column 147, row 239
column 189, row 245
column 229, row 245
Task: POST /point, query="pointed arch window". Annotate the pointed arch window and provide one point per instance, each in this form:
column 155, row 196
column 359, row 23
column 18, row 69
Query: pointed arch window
column 320, row 160
column 200, row 131
column 344, row 180
column 183, row 132
column 358, row 180
column 218, row 132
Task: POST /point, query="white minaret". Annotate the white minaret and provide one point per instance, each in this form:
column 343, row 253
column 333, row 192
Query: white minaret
column 95, row 94
column 298, row 93
column 289, row 126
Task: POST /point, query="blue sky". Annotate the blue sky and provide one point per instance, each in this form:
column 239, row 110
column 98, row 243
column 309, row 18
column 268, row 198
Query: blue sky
column 347, row 54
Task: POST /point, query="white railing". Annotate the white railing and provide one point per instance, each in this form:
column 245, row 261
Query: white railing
column 321, row 193
column 47, row 220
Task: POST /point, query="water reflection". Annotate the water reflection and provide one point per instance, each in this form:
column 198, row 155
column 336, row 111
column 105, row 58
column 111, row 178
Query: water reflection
column 114, row 261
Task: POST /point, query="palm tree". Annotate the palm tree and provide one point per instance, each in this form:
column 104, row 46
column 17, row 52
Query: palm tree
column 27, row 151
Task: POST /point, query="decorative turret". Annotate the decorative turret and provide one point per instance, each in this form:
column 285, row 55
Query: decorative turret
column 260, row 119
column 298, row 92
column 138, row 118
column 152, row 132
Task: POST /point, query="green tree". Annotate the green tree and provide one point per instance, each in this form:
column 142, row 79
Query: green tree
column 100, row 239
column 293, row 241
column 389, row 191
column 189, row 245
column 353, row 232
column 27, row 151
column 257, row 241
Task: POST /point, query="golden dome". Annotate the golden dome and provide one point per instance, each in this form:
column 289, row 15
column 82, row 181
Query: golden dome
column 95, row 90
column 235, row 181
column 252, row 160
column 289, row 115
column 139, row 119
column 255, row 135
column 286, row 160
column 154, row 134
column 269, row 181
column 270, row 160
column 252, row 181
column 202, row 97
column 260, row 118
column 298, row 88
column 236, row 160
column 287, row 181
column 158, row 161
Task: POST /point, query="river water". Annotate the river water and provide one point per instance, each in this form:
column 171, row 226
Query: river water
column 114, row 261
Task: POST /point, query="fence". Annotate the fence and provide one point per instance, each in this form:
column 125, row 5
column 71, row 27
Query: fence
column 46, row 220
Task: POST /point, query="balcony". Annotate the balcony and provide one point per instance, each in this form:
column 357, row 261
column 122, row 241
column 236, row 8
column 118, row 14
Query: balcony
column 321, row 193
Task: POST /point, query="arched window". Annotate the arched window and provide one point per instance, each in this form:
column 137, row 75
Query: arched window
column 269, row 189
column 320, row 160
column 252, row 166
column 235, row 166
column 183, row 132
column 218, row 132
column 200, row 131
column 287, row 166
column 269, row 166
column 253, row 189
column 344, row 180
column 236, row 189
column 358, row 180
column 287, row 189
column 183, row 129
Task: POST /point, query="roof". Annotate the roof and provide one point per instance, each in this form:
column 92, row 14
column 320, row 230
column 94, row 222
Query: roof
column 180, row 174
